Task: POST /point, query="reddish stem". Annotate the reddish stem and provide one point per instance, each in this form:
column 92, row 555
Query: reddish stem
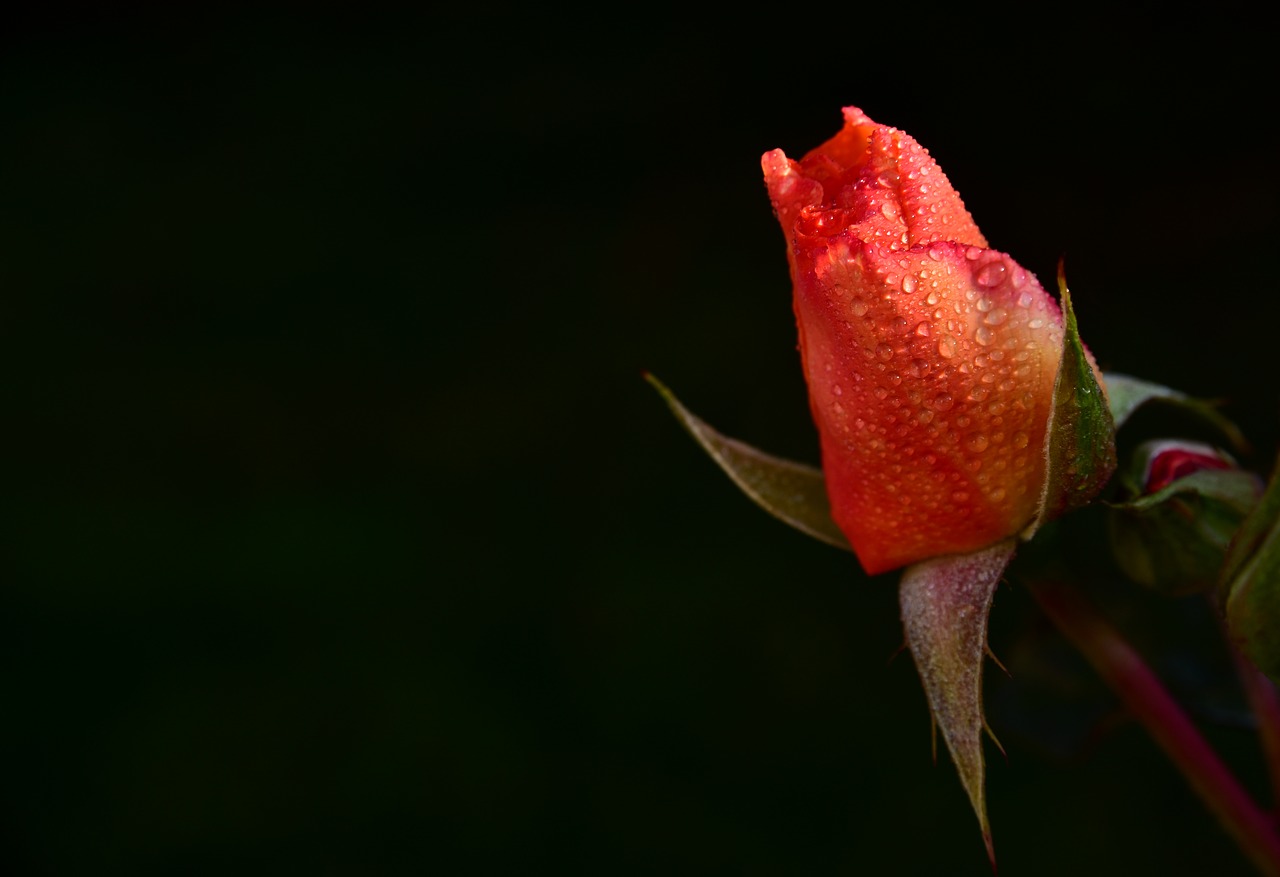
column 1265, row 704
column 1129, row 676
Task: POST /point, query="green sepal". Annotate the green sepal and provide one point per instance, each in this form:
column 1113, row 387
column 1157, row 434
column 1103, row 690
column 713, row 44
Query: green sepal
column 792, row 492
column 1080, row 447
column 946, row 602
column 1127, row 394
column 1175, row 540
column 1249, row 587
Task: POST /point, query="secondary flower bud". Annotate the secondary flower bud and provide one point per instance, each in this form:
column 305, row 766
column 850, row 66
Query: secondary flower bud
column 1187, row 502
column 1168, row 461
column 930, row 358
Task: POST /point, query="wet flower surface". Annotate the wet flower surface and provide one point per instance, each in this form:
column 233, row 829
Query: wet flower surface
column 930, row 358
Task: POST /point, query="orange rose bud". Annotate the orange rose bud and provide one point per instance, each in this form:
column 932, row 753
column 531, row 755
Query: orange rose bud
column 930, row 359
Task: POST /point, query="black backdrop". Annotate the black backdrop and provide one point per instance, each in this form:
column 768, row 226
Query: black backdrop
column 342, row 535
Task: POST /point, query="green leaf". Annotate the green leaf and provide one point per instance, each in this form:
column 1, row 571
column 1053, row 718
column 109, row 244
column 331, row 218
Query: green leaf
column 1127, row 394
column 1234, row 487
column 1250, row 583
column 792, row 492
column 1080, row 448
column 945, row 604
column 1175, row 540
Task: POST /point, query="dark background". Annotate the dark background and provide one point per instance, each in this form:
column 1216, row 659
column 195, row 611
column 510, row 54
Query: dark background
column 341, row 535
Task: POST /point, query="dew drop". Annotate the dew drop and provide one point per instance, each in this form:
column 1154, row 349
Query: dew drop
column 982, row 336
column 946, row 346
column 979, row 392
column 996, row 317
column 990, row 275
column 935, row 253
column 976, row 442
column 1025, row 299
column 884, row 351
column 922, row 329
column 997, row 494
column 1035, row 324
column 925, row 416
column 943, row 402
column 919, row 368
column 985, row 304
column 973, row 253
column 837, row 389
column 933, row 298
column 889, row 210
column 881, row 393
column 959, row 496
column 908, row 285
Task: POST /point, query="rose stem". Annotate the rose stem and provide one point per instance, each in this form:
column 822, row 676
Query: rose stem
column 1129, row 676
column 1266, row 708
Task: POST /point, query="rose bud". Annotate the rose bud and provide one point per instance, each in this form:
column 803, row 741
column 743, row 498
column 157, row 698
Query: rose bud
column 930, row 358
column 1187, row 501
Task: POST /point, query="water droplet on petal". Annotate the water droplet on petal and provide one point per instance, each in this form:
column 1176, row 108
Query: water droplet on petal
column 946, row 346
column 922, row 329
column 884, row 351
column 984, row 304
column 943, row 402
column 859, row 307
column 837, row 389
column 908, row 284
column 976, row 442
column 889, row 209
column 959, row 496
column 996, row 317
column 997, row 494
column 933, row 298
column 990, row 275
column 982, row 336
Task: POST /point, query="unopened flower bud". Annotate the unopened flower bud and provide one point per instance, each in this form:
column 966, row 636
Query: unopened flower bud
column 1187, row 502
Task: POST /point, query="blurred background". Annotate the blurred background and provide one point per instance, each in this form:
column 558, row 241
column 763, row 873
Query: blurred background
column 342, row 535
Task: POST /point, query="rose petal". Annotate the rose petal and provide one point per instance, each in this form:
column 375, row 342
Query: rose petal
column 931, row 373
